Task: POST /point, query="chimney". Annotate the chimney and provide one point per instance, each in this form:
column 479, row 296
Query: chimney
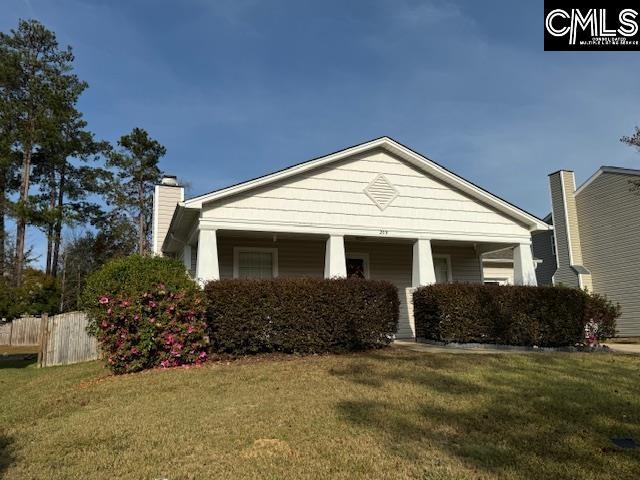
column 166, row 197
column 570, row 270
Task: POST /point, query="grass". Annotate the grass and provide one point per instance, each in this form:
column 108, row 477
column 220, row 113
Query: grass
column 384, row 414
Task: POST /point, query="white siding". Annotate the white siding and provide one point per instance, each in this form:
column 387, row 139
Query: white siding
column 165, row 200
column 334, row 197
column 494, row 270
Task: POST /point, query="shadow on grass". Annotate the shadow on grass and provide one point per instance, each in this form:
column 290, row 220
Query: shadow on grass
column 6, row 454
column 524, row 416
column 17, row 361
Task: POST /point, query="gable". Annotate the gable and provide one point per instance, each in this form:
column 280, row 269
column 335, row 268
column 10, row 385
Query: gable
column 373, row 191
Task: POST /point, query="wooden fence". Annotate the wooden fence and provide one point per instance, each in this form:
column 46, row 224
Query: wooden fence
column 58, row 339
column 23, row 331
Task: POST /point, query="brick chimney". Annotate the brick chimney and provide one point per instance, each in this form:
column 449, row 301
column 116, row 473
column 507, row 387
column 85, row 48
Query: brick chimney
column 166, row 197
column 571, row 271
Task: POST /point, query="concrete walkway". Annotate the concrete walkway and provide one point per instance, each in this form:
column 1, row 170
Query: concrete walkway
column 632, row 348
column 428, row 348
column 628, row 348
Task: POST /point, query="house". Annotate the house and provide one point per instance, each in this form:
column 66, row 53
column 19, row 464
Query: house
column 595, row 242
column 377, row 210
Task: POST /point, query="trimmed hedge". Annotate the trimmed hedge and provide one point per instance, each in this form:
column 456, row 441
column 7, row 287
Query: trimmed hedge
column 303, row 315
column 511, row 315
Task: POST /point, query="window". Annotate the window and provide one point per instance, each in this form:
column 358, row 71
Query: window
column 253, row 262
column 358, row 265
column 553, row 244
column 442, row 267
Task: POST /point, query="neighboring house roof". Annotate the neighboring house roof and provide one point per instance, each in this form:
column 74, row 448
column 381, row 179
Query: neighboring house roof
column 607, row 169
column 428, row 166
column 600, row 171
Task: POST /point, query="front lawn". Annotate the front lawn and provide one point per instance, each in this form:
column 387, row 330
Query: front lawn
column 383, row 414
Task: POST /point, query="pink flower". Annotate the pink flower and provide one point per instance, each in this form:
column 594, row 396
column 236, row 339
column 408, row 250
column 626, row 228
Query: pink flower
column 136, row 317
column 152, row 320
column 169, row 339
column 190, row 329
column 105, row 324
column 202, row 356
column 135, row 351
column 109, row 311
column 153, row 304
column 103, row 300
column 164, row 363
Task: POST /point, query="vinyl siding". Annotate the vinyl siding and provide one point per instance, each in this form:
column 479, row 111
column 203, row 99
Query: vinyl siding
column 609, row 216
column 493, row 270
column 574, row 237
column 333, row 197
column 387, row 261
column 564, row 273
column 296, row 258
column 165, row 200
column 543, row 250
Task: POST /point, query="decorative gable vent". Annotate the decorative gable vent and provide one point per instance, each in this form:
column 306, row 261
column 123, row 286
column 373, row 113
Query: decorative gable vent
column 381, row 191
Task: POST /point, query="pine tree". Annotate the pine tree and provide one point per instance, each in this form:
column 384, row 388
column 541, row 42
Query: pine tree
column 31, row 99
column 136, row 173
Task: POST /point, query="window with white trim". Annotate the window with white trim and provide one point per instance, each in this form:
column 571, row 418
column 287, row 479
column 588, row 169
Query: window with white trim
column 254, row 262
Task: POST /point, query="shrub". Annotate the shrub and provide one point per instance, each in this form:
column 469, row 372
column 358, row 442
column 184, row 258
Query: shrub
column 130, row 278
column 510, row 315
column 159, row 328
column 146, row 312
column 302, row 315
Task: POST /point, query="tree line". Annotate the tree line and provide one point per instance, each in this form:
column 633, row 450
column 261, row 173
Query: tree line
column 55, row 173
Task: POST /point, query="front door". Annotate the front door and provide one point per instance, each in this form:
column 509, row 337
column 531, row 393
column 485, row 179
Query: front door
column 357, row 266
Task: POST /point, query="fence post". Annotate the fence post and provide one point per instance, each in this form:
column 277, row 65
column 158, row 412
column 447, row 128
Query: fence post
column 42, row 339
column 10, row 331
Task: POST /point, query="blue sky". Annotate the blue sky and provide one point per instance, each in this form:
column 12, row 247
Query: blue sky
column 238, row 88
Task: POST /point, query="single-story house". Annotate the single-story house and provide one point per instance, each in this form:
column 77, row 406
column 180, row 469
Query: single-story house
column 378, row 210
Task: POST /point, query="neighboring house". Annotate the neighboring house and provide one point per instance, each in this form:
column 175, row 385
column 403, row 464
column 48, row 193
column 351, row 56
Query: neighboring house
column 596, row 238
column 378, row 210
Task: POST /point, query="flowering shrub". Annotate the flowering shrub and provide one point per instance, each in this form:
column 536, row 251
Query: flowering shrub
column 129, row 278
column 591, row 334
column 159, row 328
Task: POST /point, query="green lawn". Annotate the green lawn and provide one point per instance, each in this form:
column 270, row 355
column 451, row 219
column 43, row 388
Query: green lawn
column 384, row 414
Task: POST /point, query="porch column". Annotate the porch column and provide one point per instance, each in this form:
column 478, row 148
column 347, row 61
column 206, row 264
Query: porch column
column 207, row 261
column 335, row 262
column 524, row 272
column 423, row 272
column 186, row 257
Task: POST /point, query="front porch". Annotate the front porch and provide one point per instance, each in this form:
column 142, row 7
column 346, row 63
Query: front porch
column 405, row 262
